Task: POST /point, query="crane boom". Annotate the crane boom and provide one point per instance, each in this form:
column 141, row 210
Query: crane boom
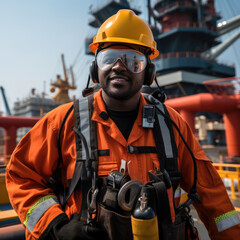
column 215, row 52
column 64, row 69
column 229, row 25
column 5, row 101
column 72, row 76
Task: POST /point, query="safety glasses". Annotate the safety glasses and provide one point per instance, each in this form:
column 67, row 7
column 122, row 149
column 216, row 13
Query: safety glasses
column 133, row 60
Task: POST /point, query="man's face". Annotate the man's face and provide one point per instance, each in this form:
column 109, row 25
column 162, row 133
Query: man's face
column 118, row 80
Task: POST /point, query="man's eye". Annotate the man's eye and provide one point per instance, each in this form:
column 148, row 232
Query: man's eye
column 108, row 60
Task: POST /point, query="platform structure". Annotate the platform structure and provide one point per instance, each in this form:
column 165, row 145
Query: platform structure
column 224, row 86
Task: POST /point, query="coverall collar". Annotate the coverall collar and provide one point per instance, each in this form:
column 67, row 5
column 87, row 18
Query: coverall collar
column 113, row 131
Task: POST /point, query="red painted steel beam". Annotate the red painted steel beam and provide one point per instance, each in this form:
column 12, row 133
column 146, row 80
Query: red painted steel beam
column 18, row 121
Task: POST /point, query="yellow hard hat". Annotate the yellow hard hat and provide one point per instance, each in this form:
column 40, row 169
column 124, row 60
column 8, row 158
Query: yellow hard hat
column 125, row 27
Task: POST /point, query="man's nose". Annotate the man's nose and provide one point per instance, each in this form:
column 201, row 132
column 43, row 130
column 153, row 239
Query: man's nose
column 119, row 66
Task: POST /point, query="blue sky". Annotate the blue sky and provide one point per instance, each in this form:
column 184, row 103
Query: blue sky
column 34, row 34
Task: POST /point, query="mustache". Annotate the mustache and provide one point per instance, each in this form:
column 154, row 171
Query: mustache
column 114, row 75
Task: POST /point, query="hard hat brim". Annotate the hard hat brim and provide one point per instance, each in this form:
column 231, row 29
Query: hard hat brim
column 93, row 46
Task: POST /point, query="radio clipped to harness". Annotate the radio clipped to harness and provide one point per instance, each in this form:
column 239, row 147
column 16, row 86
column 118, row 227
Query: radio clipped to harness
column 148, row 116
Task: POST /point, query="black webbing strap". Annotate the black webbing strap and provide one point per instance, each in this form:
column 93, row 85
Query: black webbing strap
column 78, row 171
column 139, row 149
column 174, row 163
column 163, row 206
column 104, row 152
column 170, row 164
column 159, row 144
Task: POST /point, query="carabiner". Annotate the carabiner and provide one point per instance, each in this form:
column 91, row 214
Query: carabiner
column 92, row 204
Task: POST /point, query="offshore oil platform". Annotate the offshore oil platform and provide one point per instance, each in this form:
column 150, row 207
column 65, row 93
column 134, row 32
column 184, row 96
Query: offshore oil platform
column 204, row 91
column 187, row 33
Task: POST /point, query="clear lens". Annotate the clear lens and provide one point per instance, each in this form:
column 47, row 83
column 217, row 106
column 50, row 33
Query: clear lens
column 133, row 60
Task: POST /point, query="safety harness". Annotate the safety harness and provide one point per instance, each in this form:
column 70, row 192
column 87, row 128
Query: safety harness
column 85, row 175
column 87, row 149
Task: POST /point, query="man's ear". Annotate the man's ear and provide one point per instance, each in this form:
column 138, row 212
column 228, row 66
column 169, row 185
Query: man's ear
column 150, row 74
column 94, row 72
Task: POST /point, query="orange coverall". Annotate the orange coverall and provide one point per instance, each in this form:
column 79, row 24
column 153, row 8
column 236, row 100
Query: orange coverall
column 35, row 159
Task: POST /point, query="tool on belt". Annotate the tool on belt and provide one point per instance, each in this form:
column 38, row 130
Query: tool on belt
column 127, row 209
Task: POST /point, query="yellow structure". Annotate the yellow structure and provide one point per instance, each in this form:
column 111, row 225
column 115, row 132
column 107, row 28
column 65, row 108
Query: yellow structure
column 62, row 95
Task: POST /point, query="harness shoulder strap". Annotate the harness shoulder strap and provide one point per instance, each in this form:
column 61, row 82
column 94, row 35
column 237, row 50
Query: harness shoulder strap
column 86, row 147
column 165, row 142
column 171, row 162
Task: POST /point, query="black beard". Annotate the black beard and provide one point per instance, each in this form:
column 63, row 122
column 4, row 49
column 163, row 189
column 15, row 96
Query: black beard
column 122, row 96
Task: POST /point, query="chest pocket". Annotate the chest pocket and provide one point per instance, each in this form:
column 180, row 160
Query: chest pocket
column 105, row 163
column 104, row 169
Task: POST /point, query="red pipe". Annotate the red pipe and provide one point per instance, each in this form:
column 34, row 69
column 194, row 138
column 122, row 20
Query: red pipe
column 189, row 117
column 11, row 124
column 232, row 125
column 228, row 105
column 206, row 102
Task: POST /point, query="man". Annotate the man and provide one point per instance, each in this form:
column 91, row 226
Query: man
column 123, row 47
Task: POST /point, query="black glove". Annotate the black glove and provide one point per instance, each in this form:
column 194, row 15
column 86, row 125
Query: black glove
column 76, row 230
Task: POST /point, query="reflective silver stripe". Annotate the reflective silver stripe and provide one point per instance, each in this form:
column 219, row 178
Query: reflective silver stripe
column 177, row 193
column 84, row 124
column 164, row 128
column 227, row 220
column 39, row 211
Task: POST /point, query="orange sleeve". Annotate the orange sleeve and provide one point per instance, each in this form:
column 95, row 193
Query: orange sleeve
column 215, row 210
column 32, row 163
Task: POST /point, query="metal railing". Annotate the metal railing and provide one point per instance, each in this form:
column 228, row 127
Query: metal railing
column 175, row 4
column 189, row 55
column 232, row 172
column 179, row 55
column 228, row 86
